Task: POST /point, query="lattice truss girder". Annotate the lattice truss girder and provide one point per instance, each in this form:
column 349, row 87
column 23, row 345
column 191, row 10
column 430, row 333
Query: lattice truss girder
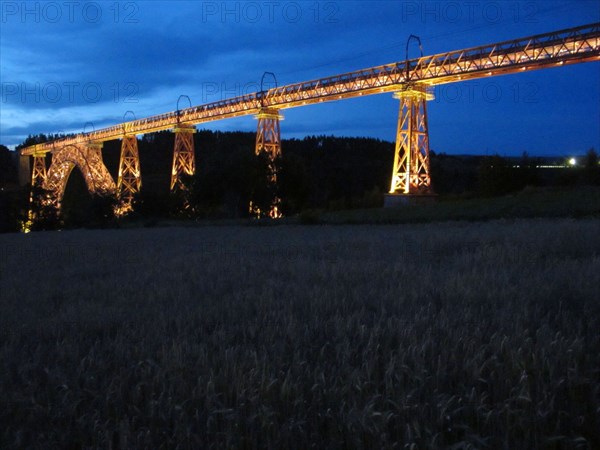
column 411, row 157
column 88, row 159
column 38, row 176
column 129, row 181
column 268, row 133
column 184, row 159
column 573, row 45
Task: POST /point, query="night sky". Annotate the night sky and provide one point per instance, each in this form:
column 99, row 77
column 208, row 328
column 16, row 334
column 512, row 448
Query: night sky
column 67, row 63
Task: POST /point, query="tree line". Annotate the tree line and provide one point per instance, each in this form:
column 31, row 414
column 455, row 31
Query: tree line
column 317, row 172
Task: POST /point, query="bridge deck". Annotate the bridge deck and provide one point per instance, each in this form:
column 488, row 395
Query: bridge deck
column 573, row 45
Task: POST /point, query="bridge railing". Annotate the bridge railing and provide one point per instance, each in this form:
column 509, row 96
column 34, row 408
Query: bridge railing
column 430, row 69
column 515, row 53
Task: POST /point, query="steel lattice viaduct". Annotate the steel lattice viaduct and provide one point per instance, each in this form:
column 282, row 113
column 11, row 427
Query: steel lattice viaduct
column 409, row 80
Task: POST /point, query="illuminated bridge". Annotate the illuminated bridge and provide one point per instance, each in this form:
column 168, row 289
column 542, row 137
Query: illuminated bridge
column 409, row 80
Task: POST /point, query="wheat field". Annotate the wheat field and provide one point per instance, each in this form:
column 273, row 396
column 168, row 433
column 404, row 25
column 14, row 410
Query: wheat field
column 454, row 335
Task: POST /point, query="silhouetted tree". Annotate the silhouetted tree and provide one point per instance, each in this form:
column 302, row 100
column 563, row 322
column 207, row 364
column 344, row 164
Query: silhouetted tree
column 150, row 204
column 527, row 173
column 181, row 204
column 42, row 210
column 294, row 184
column 494, row 176
column 102, row 210
column 13, row 208
column 8, row 168
column 591, row 168
column 265, row 190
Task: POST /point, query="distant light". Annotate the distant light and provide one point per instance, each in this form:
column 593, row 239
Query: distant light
column 572, row 161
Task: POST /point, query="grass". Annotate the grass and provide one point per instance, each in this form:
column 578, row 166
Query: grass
column 579, row 201
column 454, row 335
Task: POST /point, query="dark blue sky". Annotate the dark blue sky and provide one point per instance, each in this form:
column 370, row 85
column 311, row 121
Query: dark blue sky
column 67, row 63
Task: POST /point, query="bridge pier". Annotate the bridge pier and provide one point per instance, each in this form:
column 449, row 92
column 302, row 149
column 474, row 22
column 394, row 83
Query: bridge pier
column 184, row 159
column 268, row 141
column 129, row 182
column 411, row 171
column 98, row 179
column 38, row 176
column 87, row 158
column 38, row 180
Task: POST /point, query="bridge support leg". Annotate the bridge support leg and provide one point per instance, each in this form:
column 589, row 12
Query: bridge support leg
column 268, row 143
column 411, row 176
column 38, row 176
column 98, row 180
column 184, row 160
column 38, row 179
column 129, row 182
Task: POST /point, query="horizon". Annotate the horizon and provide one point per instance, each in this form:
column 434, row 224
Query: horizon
column 508, row 155
column 90, row 75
